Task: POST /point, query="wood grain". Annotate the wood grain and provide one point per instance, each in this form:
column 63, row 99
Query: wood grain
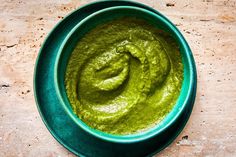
column 210, row 29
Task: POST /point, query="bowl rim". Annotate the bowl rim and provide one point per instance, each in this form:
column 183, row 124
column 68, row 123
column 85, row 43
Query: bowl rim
column 137, row 137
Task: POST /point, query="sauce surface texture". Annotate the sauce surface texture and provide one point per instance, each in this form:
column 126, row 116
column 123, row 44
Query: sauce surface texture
column 124, row 76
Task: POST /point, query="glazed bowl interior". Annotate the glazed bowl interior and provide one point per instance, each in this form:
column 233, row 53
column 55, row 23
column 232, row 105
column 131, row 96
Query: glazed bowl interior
column 107, row 15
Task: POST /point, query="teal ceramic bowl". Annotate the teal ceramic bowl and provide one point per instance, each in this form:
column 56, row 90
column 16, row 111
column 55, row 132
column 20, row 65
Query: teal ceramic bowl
column 73, row 133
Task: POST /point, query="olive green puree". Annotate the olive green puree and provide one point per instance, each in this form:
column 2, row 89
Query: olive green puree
column 124, row 76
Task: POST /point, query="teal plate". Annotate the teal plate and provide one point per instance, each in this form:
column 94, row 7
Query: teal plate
column 60, row 125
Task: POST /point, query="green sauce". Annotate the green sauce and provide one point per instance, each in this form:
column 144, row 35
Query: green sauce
column 124, row 76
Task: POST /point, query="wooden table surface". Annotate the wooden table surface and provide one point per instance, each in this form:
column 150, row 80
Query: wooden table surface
column 210, row 29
